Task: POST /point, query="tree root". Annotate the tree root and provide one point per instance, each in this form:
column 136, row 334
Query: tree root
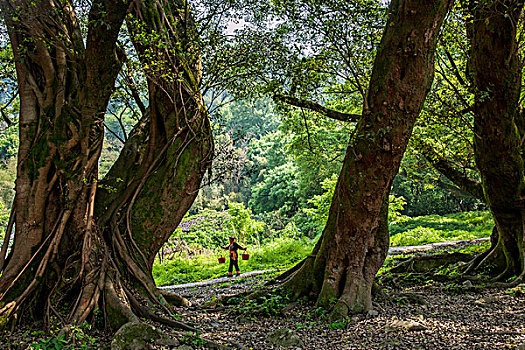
column 428, row 262
column 174, row 298
column 519, row 280
column 145, row 312
column 480, row 259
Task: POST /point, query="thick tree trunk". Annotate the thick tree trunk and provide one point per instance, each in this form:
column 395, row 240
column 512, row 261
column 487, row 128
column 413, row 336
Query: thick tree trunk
column 164, row 176
column 160, row 169
column 64, row 90
column 76, row 242
column 354, row 243
column 497, row 71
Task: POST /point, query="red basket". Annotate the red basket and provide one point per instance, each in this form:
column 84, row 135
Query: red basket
column 222, row 260
column 245, row 256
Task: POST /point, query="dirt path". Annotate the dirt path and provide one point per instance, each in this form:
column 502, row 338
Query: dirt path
column 214, row 281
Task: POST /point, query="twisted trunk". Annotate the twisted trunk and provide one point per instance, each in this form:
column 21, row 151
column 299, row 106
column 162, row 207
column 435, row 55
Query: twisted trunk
column 497, row 71
column 64, row 90
column 157, row 176
column 78, row 245
column 354, row 243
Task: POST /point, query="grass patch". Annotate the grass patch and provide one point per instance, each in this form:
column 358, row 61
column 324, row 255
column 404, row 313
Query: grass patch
column 437, row 228
column 201, row 264
column 279, row 253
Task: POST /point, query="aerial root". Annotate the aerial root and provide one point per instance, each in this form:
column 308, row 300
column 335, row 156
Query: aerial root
column 145, row 312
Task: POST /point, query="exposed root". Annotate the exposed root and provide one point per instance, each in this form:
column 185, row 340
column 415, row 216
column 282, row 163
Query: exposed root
column 119, row 304
column 426, row 263
column 174, row 298
column 481, row 258
column 519, row 280
column 438, row 277
column 145, row 312
column 49, row 256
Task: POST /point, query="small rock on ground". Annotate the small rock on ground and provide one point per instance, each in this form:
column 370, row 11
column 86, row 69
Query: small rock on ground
column 409, row 325
column 284, row 337
column 136, row 336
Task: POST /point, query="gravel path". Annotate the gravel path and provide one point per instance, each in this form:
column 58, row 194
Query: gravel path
column 213, row 281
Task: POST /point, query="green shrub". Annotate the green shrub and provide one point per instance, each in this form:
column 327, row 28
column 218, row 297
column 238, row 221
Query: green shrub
column 240, row 224
column 77, row 337
column 479, row 222
column 210, row 229
column 267, row 305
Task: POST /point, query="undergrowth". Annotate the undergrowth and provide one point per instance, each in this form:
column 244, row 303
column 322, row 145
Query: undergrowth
column 271, row 304
column 284, row 248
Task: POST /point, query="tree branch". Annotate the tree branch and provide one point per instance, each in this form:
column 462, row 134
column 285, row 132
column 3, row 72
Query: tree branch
column 446, row 167
column 8, row 121
column 316, row 107
column 455, row 69
column 114, row 133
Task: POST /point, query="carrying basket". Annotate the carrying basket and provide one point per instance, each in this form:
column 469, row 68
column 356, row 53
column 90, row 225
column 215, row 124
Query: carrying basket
column 222, row 260
column 245, row 256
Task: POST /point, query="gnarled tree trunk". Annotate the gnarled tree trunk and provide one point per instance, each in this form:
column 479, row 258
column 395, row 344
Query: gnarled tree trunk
column 64, row 90
column 354, row 243
column 79, row 246
column 498, row 143
column 160, row 169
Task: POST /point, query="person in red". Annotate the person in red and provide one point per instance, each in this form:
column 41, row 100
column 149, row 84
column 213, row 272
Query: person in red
column 234, row 257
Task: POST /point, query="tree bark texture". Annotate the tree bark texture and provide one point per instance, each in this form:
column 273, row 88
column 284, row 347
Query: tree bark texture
column 159, row 171
column 498, row 144
column 164, row 173
column 82, row 245
column 354, row 243
column 64, row 89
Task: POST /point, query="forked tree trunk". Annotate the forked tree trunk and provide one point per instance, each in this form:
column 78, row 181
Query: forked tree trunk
column 165, row 173
column 90, row 247
column 498, row 143
column 354, row 243
column 64, row 90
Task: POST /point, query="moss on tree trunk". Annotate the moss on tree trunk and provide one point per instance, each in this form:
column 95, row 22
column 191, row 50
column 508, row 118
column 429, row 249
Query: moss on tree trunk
column 79, row 247
column 354, row 242
column 497, row 71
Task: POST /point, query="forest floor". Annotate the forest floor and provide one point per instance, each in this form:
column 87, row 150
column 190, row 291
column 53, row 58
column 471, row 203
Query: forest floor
column 411, row 312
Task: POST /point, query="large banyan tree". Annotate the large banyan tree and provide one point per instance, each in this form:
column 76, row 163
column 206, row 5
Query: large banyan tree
column 81, row 244
column 354, row 243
